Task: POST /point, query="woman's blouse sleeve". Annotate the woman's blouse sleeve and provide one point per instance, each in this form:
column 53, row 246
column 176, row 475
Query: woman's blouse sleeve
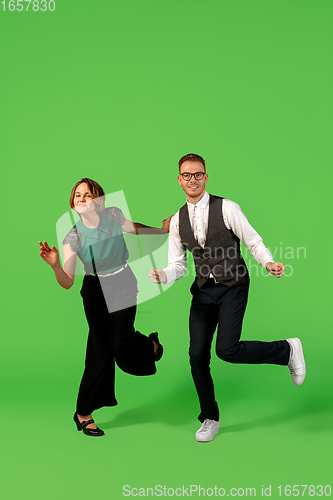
column 115, row 214
column 73, row 238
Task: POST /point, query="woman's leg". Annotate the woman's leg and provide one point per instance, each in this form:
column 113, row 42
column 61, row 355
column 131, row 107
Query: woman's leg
column 134, row 352
column 97, row 384
column 111, row 335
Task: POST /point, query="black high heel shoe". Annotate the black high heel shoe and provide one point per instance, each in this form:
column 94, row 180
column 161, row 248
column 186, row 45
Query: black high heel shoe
column 82, row 426
column 159, row 352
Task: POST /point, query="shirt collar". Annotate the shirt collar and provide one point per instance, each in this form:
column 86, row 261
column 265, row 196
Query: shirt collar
column 104, row 222
column 201, row 204
column 93, row 232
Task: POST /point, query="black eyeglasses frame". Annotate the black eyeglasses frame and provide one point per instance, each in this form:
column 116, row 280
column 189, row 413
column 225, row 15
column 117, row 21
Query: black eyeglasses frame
column 201, row 176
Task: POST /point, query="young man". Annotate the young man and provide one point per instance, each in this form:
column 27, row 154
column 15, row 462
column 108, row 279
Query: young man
column 211, row 228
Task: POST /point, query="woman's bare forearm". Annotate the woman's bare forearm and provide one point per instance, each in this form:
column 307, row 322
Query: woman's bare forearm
column 138, row 228
column 142, row 229
column 62, row 278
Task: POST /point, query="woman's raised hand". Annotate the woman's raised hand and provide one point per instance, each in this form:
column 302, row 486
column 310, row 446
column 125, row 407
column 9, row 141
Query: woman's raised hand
column 49, row 255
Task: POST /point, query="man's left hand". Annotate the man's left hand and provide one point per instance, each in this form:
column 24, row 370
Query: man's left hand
column 275, row 268
column 158, row 276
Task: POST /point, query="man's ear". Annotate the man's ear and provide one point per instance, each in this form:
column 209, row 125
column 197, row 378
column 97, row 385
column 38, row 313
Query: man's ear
column 179, row 177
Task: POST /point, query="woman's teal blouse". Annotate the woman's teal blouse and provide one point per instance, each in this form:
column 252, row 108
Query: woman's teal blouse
column 102, row 249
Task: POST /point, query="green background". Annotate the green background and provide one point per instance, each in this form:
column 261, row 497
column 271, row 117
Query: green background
column 119, row 91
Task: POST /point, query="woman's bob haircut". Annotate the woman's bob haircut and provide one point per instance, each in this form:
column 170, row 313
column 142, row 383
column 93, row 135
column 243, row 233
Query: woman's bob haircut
column 96, row 191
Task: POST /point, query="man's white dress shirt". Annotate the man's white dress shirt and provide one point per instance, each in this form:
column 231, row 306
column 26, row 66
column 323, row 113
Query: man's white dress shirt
column 233, row 218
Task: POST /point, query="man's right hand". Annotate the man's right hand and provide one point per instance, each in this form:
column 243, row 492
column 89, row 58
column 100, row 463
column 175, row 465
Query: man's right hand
column 158, row 276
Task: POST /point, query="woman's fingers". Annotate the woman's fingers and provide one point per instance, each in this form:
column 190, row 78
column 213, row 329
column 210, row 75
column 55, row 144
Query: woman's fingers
column 45, row 251
column 42, row 249
column 168, row 219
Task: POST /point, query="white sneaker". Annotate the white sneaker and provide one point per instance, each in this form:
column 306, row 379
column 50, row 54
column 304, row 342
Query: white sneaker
column 207, row 431
column 296, row 363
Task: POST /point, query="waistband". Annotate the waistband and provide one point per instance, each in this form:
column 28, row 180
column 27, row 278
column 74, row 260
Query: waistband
column 211, row 282
column 109, row 274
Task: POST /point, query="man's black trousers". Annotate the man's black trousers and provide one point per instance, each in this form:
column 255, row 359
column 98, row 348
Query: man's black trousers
column 221, row 306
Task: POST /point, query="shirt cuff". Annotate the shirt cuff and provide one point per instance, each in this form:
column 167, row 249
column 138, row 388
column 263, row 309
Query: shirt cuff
column 170, row 274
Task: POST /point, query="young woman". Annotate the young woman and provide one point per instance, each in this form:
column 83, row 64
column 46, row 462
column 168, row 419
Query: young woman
column 109, row 293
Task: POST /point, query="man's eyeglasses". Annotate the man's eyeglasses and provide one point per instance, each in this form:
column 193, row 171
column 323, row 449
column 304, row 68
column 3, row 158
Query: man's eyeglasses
column 198, row 176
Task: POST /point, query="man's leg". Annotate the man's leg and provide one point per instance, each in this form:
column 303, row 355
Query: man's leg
column 203, row 321
column 232, row 303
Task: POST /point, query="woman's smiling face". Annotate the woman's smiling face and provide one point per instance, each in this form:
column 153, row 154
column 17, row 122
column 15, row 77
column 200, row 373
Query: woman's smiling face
column 83, row 200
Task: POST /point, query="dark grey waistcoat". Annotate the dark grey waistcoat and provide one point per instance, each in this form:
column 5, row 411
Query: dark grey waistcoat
column 221, row 255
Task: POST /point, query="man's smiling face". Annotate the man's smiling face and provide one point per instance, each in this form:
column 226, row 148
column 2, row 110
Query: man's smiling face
column 194, row 189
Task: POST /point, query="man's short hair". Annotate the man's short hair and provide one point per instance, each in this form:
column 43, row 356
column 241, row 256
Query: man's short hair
column 192, row 157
